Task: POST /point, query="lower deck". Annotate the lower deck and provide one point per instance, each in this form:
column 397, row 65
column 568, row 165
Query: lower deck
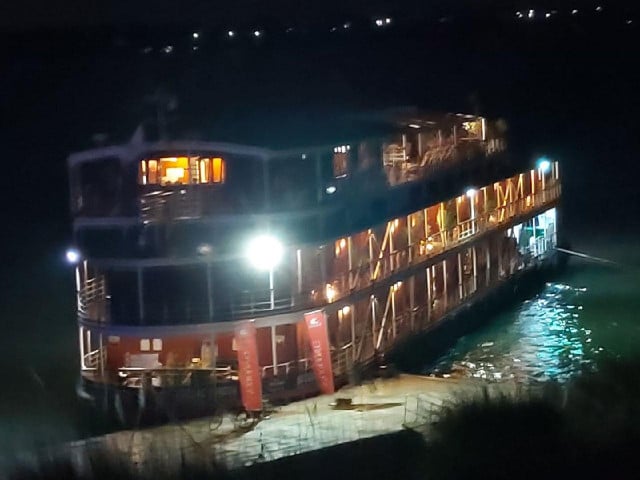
column 360, row 328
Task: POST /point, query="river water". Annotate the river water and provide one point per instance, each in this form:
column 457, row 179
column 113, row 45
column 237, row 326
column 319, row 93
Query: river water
column 590, row 312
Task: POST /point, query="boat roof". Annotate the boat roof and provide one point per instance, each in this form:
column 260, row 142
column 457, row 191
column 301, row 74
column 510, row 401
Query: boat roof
column 270, row 133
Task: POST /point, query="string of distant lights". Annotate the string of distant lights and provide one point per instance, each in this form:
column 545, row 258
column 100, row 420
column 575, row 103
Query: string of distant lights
column 377, row 23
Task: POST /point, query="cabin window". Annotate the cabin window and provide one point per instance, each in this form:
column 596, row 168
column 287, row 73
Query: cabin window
column 152, row 169
column 218, row 168
column 182, row 171
column 204, row 169
column 145, row 345
column 341, row 161
column 157, row 344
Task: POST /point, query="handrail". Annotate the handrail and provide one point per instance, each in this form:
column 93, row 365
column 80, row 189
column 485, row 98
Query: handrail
column 263, row 302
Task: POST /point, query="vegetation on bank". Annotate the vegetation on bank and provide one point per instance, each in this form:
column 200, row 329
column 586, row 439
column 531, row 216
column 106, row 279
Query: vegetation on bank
column 589, row 428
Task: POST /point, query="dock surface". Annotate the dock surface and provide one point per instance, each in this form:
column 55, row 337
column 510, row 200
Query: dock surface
column 356, row 412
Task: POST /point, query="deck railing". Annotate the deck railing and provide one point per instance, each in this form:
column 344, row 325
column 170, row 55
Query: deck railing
column 95, row 306
column 92, row 299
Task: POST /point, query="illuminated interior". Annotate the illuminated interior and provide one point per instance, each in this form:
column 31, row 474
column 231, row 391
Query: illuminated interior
column 181, row 170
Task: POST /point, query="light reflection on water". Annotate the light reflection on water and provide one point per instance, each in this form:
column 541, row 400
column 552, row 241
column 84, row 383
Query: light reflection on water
column 542, row 340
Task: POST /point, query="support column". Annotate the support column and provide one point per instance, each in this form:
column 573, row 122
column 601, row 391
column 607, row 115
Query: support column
column 409, row 238
column 353, row 332
column 412, row 286
column 350, row 262
column 372, row 302
column 299, row 269
column 429, row 293
column 460, row 285
column 475, row 268
column 445, row 289
column 426, row 225
column 100, row 355
column 81, row 342
column 140, row 295
column 487, row 248
column 274, row 354
column 393, row 310
column 392, row 230
column 370, row 234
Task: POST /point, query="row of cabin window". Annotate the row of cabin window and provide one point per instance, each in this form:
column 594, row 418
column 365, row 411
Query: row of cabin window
column 146, row 345
column 185, row 170
column 181, row 171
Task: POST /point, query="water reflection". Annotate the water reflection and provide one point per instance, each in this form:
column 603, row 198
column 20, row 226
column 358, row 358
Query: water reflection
column 541, row 340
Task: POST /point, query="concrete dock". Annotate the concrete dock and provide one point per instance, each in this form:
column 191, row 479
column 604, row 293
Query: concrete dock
column 356, row 412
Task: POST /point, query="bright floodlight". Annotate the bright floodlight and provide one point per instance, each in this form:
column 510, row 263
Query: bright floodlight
column 264, row 252
column 544, row 165
column 471, row 192
column 72, row 255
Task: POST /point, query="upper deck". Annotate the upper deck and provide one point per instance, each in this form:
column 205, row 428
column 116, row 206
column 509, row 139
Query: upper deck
column 191, row 184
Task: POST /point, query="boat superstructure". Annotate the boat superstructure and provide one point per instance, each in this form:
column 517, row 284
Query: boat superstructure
column 203, row 268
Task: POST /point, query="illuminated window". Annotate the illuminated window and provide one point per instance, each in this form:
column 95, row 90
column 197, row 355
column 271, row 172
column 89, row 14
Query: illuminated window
column 341, row 160
column 205, row 169
column 174, row 171
column 218, row 170
column 181, row 171
column 152, row 171
column 157, row 344
column 145, row 345
column 143, row 172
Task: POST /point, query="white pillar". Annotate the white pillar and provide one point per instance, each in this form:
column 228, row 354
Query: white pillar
column 272, row 299
column 81, row 342
column 299, row 269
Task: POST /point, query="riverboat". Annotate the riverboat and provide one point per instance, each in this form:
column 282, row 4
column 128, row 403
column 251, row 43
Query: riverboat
column 217, row 275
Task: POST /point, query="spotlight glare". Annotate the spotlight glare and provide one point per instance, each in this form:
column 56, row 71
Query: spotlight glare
column 73, row 256
column 264, row 252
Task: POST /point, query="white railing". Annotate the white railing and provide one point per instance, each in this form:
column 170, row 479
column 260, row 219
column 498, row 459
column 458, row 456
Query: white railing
column 95, row 359
column 92, row 299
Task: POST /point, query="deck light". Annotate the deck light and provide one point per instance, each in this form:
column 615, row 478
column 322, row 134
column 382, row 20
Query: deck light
column 257, row 33
column 331, row 189
column 195, row 35
column 264, row 252
column 204, row 249
column 73, row 256
column 231, row 33
column 471, row 192
column 330, row 292
column 544, row 165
